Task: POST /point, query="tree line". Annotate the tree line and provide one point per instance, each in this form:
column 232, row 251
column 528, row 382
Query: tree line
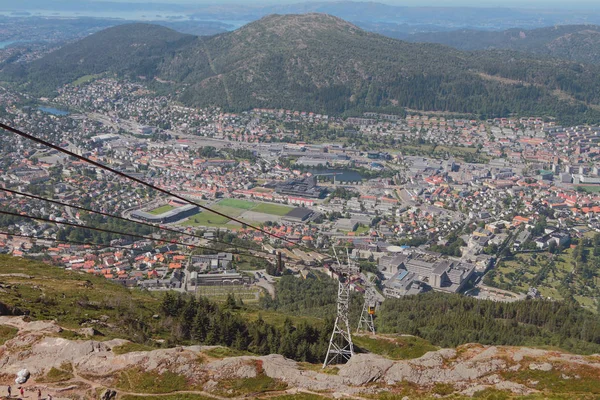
column 205, row 322
column 451, row 320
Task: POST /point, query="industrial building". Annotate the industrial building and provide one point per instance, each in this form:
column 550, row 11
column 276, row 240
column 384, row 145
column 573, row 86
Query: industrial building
column 223, row 279
column 306, row 187
column 403, row 283
column 213, row 261
column 298, row 214
column 415, row 271
column 174, row 215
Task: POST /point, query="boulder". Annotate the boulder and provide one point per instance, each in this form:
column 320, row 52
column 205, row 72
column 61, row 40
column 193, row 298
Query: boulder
column 108, row 394
column 22, row 377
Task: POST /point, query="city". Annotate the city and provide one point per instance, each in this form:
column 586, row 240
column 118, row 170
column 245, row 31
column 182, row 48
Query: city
column 466, row 194
column 299, row 201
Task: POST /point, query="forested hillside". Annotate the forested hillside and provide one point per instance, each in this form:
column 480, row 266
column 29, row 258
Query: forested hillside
column 130, row 49
column 451, row 320
column 321, row 63
column 580, row 43
column 74, row 299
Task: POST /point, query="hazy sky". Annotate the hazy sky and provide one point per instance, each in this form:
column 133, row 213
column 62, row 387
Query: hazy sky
column 576, row 4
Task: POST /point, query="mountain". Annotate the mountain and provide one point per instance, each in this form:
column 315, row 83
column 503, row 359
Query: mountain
column 130, row 48
column 321, row 63
column 580, row 43
column 311, row 62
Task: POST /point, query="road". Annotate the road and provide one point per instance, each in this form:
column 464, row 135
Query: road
column 483, row 292
column 265, row 281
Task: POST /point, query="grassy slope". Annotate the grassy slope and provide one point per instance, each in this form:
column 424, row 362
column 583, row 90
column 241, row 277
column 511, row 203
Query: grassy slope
column 7, row 333
column 72, row 298
column 394, row 347
column 51, row 283
column 525, row 270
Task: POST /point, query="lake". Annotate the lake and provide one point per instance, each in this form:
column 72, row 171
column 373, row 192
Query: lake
column 7, row 43
column 342, row 175
column 233, row 23
column 53, row 111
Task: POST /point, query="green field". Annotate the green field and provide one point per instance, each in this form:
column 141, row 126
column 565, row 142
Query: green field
column 220, row 293
column 210, row 219
column 264, row 208
column 526, row 270
column 85, row 79
column 362, row 229
column 590, row 188
column 236, row 203
column 206, row 218
column 273, row 209
column 161, row 209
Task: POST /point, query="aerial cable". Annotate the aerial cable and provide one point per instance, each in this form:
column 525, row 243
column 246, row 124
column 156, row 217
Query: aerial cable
column 119, row 173
column 117, row 232
column 15, row 192
column 102, row 246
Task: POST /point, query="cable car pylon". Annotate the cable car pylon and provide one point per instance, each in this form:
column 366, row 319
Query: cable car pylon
column 365, row 323
column 341, row 348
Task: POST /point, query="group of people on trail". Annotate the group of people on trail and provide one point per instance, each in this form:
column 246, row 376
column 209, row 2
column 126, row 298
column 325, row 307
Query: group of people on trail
column 22, row 393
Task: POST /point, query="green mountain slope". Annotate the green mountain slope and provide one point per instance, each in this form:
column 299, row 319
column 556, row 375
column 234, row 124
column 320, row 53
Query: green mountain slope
column 579, row 43
column 321, row 63
column 75, row 299
column 133, row 49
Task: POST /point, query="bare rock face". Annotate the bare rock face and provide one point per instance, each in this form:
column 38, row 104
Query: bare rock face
column 38, row 348
column 288, row 371
column 232, row 368
column 29, row 332
column 364, row 368
column 50, row 352
column 540, row 367
column 525, row 352
column 178, row 360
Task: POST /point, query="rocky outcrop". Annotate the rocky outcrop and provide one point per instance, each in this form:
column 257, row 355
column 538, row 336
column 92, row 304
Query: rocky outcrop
column 472, row 368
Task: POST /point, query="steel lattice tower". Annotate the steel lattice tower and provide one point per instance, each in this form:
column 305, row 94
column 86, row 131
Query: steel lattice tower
column 365, row 323
column 341, row 347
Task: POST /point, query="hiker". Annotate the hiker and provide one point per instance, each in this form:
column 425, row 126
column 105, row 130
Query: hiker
column 22, row 391
column 9, row 391
column 39, row 394
column 49, row 396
